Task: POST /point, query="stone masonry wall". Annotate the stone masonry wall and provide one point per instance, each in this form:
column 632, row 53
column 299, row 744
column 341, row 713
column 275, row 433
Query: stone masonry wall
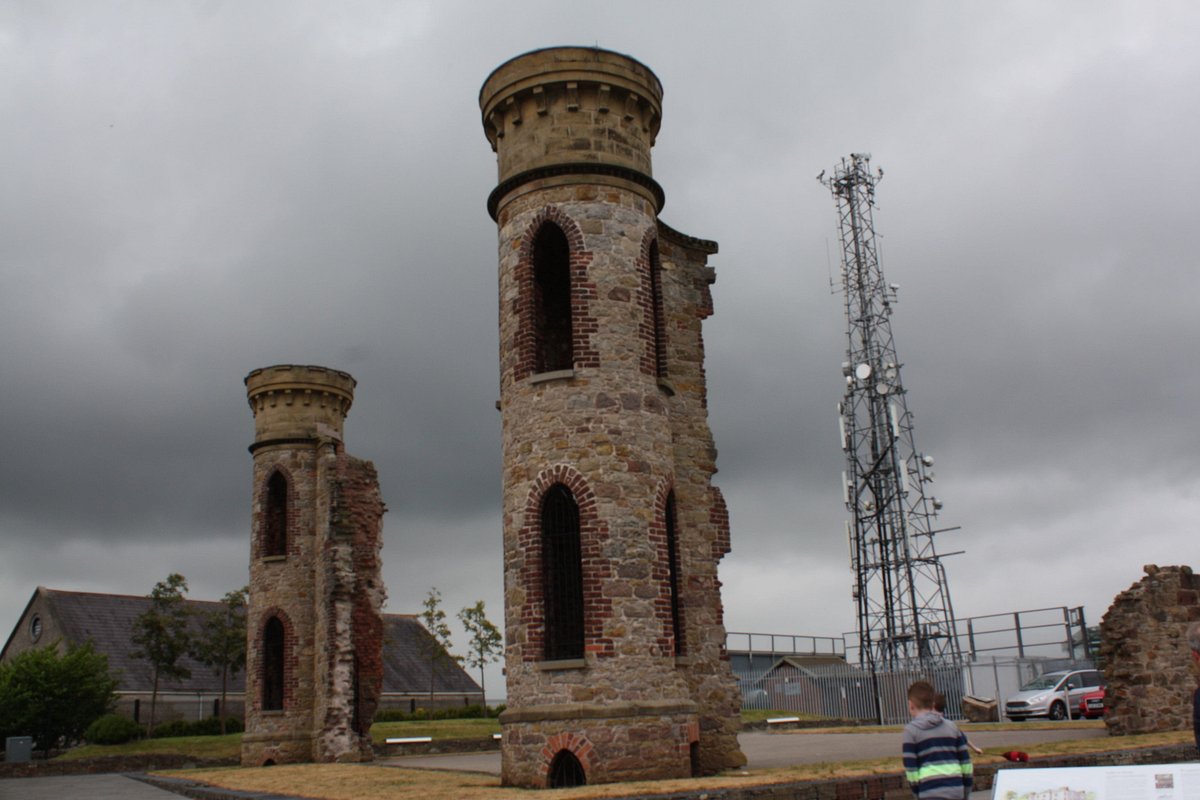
column 572, row 128
column 353, row 595
column 1145, row 653
column 326, row 589
column 703, row 519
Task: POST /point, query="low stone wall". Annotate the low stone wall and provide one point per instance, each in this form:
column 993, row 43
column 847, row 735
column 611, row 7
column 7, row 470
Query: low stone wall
column 107, row 764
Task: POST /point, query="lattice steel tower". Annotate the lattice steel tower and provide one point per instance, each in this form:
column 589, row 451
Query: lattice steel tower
column 905, row 618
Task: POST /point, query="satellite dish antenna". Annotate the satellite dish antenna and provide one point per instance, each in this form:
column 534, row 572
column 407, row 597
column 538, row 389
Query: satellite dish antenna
column 882, row 388
column 862, row 371
column 889, row 371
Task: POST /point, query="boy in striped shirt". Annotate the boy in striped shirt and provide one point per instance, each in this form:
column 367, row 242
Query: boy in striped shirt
column 936, row 760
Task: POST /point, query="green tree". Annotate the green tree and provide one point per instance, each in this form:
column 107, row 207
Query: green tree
column 486, row 643
column 221, row 643
column 160, row 635
column 53, row 696
column 435, row 648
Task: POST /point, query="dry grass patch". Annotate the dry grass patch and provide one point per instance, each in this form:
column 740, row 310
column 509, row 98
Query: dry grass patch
column 370, row 782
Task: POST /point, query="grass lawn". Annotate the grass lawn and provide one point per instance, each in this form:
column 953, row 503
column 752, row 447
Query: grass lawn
column 228, row 746
column 437, row 729
column 369, row 782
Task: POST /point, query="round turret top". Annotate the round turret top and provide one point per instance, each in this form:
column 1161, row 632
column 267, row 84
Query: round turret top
column 572, row 110
column 563, row 64
column 299, row 401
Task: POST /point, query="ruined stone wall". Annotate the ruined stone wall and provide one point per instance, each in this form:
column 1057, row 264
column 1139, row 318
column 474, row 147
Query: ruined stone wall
column 1146, row 658
column 703, row 518
column 352, row 637
column 326, row 589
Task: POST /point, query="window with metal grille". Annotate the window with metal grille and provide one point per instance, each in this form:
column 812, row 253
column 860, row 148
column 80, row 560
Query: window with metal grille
column 673, row 574
column 552, row 300
column 657, row 312
column 566, row 771
column 562, row 575
column 272, row 665
column 276, row 518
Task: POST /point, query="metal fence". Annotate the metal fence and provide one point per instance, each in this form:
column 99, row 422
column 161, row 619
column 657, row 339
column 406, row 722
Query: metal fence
column 848, row 692
column 820, row 675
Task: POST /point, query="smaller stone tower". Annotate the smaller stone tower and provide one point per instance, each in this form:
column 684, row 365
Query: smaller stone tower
column 314, row 664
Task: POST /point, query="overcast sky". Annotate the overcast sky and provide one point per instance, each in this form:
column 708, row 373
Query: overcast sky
column 191, row 190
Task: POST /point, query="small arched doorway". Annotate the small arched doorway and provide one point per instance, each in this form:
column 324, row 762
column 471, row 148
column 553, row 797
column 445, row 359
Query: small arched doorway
column 566, row 771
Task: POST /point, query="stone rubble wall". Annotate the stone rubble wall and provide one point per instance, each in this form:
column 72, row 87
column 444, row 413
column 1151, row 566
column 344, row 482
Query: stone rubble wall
column 1144, row 650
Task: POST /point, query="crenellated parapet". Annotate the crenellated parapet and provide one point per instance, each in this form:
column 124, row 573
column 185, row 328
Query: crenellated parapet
column 295, row 401
column 555, row 115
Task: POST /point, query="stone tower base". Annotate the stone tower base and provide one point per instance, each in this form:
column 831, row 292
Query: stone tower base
column 613, row 742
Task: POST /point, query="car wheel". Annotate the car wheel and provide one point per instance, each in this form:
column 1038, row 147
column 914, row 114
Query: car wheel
column 1058, row 711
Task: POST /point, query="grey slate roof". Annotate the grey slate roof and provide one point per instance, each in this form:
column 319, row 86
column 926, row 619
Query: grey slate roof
column 107, row 620
column 406, row 666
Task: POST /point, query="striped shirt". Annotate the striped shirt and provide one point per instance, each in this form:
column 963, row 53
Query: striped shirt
column 936, row 760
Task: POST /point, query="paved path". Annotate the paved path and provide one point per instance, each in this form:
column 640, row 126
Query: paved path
column 81, row 787
column 782, row 749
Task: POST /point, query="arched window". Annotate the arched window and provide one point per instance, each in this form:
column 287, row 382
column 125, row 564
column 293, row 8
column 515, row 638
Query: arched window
column 552, row 300
column 566, row 771
column 276, row 516
column 673, row 573
column 658, row 313
column 562, row 575
column 272, row 665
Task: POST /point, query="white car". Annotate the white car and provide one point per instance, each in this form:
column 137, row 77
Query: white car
column 1050, row 695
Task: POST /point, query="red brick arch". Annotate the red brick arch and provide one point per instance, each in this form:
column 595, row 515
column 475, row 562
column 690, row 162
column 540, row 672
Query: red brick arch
column 289, row 657
column 583, row 320
column 653, row 328
column 261, row 523
column 576, row 744
column 593, row 533
column 660, row 570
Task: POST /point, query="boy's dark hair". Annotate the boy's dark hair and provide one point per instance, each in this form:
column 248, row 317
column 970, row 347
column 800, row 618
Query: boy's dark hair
column 923, row 695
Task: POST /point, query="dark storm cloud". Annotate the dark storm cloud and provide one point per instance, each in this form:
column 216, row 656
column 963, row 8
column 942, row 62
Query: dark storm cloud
column 193, row 191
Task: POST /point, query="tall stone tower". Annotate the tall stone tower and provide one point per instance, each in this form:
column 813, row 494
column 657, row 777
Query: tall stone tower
column 314, row 663
column 612, row 529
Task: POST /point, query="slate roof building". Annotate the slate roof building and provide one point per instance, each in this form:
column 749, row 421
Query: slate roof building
column 72, row 618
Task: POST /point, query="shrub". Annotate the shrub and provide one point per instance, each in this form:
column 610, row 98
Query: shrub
column 112, row 729
column 210, row 726
column 54, row 696
column 171, row 729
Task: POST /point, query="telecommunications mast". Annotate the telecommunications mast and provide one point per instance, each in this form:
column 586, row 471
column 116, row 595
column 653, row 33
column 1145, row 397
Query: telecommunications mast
column 905, row 618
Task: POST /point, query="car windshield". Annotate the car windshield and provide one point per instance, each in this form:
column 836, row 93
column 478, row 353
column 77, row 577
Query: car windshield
column 1043, row 682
